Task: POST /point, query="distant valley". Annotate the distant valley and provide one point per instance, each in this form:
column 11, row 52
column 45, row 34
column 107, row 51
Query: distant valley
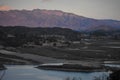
column 40, row 36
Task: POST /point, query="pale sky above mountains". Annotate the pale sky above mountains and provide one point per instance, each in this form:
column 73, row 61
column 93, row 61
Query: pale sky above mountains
column 99, row 9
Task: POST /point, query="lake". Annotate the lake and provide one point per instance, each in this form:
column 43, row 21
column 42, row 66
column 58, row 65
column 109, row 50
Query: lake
column 29, row 72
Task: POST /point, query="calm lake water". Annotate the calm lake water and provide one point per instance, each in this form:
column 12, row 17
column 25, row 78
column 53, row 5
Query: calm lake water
column 28, row 72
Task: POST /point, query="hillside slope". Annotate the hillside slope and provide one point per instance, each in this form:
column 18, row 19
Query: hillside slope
column 53, row 18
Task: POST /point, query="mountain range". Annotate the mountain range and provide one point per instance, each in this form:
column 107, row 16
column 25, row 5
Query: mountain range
column 55, row 18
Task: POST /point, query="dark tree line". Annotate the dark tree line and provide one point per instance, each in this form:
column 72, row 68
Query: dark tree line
column 18, row 35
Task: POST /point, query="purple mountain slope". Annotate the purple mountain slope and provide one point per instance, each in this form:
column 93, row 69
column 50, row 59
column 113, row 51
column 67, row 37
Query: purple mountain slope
column 54, row 18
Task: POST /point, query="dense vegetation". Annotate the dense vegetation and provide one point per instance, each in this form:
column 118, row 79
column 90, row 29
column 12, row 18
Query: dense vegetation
column 15, row 36
column 19, row 35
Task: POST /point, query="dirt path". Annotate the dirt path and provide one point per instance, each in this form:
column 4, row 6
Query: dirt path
column 33, row 57
column 43, row 59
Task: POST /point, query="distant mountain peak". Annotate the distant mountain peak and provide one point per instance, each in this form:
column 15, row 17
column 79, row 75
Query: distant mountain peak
column 53, row 18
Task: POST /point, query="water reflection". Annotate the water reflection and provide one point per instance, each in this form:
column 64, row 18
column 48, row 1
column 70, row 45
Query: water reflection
column 28, row 72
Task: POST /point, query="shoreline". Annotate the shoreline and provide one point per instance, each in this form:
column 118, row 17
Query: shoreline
column 2, row 67
column 72, row 67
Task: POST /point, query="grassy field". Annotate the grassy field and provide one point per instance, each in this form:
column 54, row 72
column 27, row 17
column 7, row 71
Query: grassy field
column 13, row 59
column 99, row 50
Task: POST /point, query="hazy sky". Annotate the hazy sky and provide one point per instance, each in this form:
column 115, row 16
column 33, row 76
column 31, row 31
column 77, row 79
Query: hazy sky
column 99, row 9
